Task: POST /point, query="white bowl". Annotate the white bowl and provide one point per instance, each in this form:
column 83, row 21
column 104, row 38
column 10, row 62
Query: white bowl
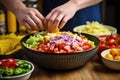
column 24, row 76
column 111, row 64
column 113, row 30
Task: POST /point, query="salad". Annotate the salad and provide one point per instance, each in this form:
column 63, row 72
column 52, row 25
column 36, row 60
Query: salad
column 59, row 42
column 13, row 67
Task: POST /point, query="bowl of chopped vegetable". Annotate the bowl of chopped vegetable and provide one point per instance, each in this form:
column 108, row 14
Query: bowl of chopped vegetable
column 61, row 50
column 15, row 69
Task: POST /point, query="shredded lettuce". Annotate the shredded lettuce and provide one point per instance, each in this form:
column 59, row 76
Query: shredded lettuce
column 34, row 41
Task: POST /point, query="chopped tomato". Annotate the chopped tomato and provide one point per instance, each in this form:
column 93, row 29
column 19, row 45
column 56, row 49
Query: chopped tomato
column 55, row 50
column 11, row 62
column 67, row 48
column 62, row 51
column 86, row 47
column 111, row 42
column 1, row 62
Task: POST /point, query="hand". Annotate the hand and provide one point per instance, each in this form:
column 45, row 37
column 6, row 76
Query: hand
column 30, row 18
column 59, row 16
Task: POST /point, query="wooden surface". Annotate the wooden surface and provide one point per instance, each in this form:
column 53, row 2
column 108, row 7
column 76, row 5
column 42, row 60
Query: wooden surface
column 93, row 70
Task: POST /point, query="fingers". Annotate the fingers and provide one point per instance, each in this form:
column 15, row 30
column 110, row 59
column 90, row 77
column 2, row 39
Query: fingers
column 63, row 22
column 55, row 21
column 30, row 23
column 60, row 20
column 27, row 26
column 41, row 24
column 33, row 20
column 52, row 20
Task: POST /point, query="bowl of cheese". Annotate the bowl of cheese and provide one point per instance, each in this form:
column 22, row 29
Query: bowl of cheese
column 95, row 28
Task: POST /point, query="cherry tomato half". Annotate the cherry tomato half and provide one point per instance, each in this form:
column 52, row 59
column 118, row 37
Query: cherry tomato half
column 12, row 62
column 1, row 62
column 111, row 42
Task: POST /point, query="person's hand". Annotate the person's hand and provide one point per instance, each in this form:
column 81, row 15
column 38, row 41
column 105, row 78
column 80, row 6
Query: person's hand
column 30, row 18
column 59, row 16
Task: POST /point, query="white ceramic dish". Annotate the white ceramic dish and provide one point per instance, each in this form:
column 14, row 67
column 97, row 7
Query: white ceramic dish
column 113, row 30
column 111, row 64
column 24, row 76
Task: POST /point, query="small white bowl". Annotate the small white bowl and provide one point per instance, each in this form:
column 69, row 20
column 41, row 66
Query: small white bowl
column 111, row 64
column 24, row 76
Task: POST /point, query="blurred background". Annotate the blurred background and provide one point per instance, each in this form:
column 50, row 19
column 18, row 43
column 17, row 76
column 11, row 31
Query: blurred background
column 8, row 23
column 110, row 13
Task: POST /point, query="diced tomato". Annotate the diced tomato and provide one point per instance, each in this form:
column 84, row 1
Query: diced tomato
column 118, row 46
column 6, row 64
column 61, row 45
column 62, row 51
column 67, row 48
column 12, row 62
column 86, row 47
column 113, row 36
column 46, row 49
column 40, row 49
column 51, row 47
column 111, row 42
column 73, row 47
column 55, row 50
column 1, row 62
column 102, row 40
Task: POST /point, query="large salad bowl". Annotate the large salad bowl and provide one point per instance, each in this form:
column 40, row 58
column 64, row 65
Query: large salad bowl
column 61, row 61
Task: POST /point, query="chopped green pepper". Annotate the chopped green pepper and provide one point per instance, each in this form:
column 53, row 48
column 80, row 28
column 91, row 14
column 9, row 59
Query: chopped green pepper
column 21, row 62
column 2, row 70
column 26, row 66
column 9, row 71
column 18, row 71
column 25, row 70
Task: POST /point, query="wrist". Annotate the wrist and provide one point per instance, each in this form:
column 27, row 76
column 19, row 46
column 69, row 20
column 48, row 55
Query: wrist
column 18, row 8
column 74, row 5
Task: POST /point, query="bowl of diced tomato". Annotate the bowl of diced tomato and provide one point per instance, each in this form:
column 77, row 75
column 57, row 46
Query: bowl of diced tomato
column 15, row 69
column 61, row 50
column 107, row 42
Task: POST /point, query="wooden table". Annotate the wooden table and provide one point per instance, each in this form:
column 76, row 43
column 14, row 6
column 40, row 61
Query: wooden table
column 93, row 70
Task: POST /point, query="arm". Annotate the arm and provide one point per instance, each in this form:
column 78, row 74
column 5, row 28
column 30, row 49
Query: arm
column 59, row 16
column 29, row 17
column 80, row 4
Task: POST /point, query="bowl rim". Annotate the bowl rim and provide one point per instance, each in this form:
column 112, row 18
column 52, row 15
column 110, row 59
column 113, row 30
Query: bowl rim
column 12, row 53
column 108, row 26
column 104, row 52
column 62, row 53
column 21, row 75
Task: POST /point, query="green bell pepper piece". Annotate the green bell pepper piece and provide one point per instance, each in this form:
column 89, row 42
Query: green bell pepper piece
column 2, row 70
column 18, row 71
column 9, row 71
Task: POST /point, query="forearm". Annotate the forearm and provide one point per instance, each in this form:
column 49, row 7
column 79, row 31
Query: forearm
column 13, row 5
column 80, row 4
